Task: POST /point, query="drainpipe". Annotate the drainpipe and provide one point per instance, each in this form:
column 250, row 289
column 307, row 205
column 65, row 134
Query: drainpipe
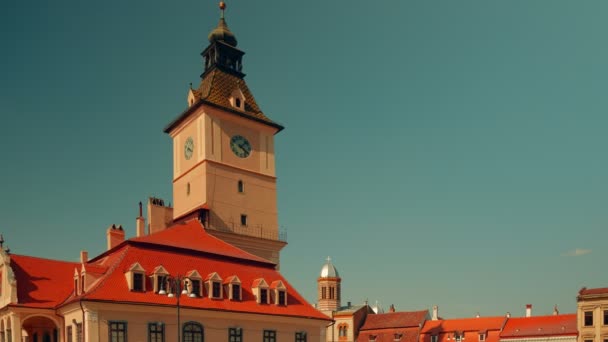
column 84, row 338
column 332, row 330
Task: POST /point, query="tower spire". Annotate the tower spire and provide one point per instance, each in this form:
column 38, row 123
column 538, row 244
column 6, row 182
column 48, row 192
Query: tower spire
column 222, row 52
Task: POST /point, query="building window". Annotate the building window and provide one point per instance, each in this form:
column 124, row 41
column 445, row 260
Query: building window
column 263, row 296
column 372, row 338
column 196, row 288
column 323, row 292
column 235, row 335
column 588, row 318
column 243, row 220
column 216, row 289
column 343, row 331
column 138, row 282
column 193, row 332
column 301, row 336
column 76, row 286
column 241, row 186
column 237, row 101
column 482, row 337
column 588, row 340
column 161, row 284
column 397, row 337
column 331, row 293
column 236, row 292
column 458, row 337
column 188, row 189
column 434, row 338
column 270, row 336
column 118, row 331
column 156, row 332
column 82, row 284
column 281, row 298
column 79, row 332
column 605, row 317
column 69, row 333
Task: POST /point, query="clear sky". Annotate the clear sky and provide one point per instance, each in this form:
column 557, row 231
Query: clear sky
column 442, row 152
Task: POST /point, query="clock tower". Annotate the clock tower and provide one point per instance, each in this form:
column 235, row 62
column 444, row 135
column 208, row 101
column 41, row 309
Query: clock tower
column 223, row 154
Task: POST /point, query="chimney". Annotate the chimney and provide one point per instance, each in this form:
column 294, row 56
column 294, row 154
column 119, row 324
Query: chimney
column 392, row 308
column 528, row 310
column 84, row 257
column 160, row 217
column 140, row 223
column 115, row 235
column 435, row 313
column 349, row 304
column 477, row 316
column 555, row 311
column 508, row 315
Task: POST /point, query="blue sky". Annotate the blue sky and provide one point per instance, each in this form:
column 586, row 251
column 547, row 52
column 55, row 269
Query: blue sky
column 444, row 152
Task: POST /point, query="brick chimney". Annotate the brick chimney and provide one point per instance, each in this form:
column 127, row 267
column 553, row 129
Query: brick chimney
column 84, row 257
column 140, row 223
column 435, row 313
column 392, row 308
column 528, row 310
column 160, row 217
column 115, row 235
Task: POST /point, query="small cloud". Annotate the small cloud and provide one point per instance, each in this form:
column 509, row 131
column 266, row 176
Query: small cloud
column 577, row 252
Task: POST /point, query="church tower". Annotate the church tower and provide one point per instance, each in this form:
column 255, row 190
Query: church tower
column 328, row 288
column 223, row 154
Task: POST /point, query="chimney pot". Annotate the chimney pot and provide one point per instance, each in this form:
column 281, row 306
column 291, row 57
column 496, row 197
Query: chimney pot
column 435, row 313
column 528, row 310
column 84, row 257
column 115, row 236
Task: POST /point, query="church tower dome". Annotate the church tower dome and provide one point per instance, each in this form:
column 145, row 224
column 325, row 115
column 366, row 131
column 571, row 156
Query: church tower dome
column 222, row 32
column 329, row 288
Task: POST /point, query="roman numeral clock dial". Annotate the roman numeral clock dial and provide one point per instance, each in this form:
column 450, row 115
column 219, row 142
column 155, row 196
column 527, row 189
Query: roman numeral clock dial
column 240, row 146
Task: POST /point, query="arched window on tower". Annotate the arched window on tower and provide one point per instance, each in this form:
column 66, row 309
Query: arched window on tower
column 241, row 186
column 323, row 292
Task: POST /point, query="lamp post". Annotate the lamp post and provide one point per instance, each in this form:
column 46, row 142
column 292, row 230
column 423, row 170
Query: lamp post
column 175, row 283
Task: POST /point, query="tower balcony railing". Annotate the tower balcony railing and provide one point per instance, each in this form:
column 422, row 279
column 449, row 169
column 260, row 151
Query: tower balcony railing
column 259, row 230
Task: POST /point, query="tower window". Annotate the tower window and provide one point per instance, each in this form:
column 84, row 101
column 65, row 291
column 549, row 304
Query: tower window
column 241, row 187
column 323, row 292
column 237, row 101
column 188, row 189
column 588, row 318
column 243, row 220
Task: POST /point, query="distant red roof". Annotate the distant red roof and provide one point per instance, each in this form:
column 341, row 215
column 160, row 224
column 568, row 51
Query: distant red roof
column 464, row 324
column 388, row 335
column 597, row 291
column 42, row 283
column 395, row 320
column 540, row 326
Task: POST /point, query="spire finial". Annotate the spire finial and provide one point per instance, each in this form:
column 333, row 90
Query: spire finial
column 328, row 259
column 222, row 8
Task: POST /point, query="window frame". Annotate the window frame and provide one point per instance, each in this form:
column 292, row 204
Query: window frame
column 282, row 294
column 263, row 296
column 588, row 315
column 79, row 332
column 195, row 287
column 605, row 320
column 216, row 286
column 161, row 330
column 434, row 338
column 117, row 327
column 301, row 336
column 193, row 324
column 236, row 293
column 235, row 334
column 138, row 276
column 69, row 331
column 269, row 336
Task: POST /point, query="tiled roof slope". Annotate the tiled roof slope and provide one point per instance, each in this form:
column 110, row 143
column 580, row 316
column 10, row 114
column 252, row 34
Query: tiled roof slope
column 203, row 254
column 597, row 291
column 216, row 88
column 384, row 326
column 42, row 283
column 191, row 235
column 388, row 335
column 395, row 320
column 540, row 326
column 464, row 324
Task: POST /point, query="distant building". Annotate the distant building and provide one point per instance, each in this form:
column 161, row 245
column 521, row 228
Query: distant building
column 592, row 310
column 393, row 326
column 347, row 319
column 476, row 329
column 555, row 328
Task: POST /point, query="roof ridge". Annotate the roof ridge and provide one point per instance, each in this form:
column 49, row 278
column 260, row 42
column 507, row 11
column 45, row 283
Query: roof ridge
column 41, row 258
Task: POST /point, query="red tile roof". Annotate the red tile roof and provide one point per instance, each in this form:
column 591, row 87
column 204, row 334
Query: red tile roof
column 464, row 324
column 388, row 335
column 540, row 326
column 186, row 248
column 42, row 283
column 191, row 235
column 597, row 291
column 395, row 320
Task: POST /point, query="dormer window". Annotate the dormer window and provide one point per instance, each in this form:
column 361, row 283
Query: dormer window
column 263, row 296
column 159, row 280
column 194, row 281
column 135, row 278
column 372, row 338
column 260, row 290
column 434, row 338
column 397, row 337
column 458, row 336
column 214, row 285
column 233, row 288
column 279, row 292
column 237, row 99
column 482, row 337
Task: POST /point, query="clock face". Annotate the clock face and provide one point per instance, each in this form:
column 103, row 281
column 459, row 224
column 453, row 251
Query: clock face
column 240, row 146
column 188, row 148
